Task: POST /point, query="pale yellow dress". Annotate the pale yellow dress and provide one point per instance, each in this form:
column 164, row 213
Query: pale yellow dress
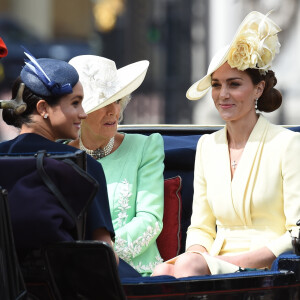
column 259, row 207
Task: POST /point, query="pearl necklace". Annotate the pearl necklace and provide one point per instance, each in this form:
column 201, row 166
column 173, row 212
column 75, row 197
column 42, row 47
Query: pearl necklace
column 98, row 153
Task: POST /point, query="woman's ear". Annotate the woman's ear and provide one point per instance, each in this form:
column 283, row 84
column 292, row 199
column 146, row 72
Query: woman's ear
column 42, row 108
column 260, row 88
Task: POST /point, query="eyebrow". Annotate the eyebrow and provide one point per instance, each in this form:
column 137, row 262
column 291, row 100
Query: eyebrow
column 77, row 97
column 228, row 79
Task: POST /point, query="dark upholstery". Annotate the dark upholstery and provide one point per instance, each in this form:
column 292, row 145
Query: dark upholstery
column 84, row 270
column 179, row 160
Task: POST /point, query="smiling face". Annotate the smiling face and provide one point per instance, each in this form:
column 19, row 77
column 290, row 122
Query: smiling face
column 65, row 117
column 234, row 93
column 101, row 125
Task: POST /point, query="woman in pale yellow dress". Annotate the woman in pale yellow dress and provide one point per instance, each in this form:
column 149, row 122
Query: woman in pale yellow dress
column 247, row 180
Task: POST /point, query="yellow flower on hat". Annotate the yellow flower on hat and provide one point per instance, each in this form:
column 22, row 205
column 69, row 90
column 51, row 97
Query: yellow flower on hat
column 255, row 46
column 271, row 47
column 243, row 54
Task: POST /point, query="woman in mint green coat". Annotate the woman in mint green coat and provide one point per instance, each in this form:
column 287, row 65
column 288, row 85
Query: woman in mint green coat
column 132, row 163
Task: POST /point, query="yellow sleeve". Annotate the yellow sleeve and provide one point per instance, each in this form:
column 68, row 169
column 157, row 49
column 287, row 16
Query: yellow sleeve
column 202, row 230
column 291, row 194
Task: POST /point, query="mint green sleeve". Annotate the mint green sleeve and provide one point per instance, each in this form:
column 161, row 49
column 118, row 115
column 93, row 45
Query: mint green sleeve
column 142, row 231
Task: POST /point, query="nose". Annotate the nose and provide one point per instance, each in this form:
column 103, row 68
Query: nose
column 111, row 108
column 82, row 114
column 224, row 93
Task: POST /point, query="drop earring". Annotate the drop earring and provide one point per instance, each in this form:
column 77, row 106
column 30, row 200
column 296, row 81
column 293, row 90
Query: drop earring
column 256, row 103
column 45, row 116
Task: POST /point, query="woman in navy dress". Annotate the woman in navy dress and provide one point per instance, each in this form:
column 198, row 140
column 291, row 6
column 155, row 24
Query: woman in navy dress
column 53, row 95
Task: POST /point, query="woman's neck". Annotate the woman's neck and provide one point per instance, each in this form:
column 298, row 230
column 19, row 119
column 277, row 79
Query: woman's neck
column 40, row 130
column 238, row 132
column 98, row 147
column 93, row 141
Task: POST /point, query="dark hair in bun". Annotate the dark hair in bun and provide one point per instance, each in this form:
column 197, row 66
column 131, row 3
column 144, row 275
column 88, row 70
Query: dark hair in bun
column 271, row 98
column 44, row 78
column 31, row 99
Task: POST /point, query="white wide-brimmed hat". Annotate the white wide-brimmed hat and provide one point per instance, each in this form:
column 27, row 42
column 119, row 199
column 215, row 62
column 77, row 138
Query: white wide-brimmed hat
column 253, row 46
column 103, row 83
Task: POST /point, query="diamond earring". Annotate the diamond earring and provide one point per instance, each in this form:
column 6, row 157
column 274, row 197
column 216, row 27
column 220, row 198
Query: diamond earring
column 45, row 116
column 256, row 103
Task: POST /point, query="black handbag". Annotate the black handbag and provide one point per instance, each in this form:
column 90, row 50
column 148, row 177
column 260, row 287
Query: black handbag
column 49, row 194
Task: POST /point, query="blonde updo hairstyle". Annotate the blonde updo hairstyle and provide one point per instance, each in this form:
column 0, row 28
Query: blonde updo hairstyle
column 124, row 102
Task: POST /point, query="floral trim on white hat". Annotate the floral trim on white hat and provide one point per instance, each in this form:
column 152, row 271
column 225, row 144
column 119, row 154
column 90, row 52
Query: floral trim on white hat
column 103, row 83
column 103, row 86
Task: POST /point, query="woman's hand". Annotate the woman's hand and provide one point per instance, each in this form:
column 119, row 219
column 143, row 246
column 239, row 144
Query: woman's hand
column 103, row 235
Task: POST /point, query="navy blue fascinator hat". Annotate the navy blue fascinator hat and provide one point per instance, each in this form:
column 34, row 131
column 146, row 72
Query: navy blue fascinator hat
column 48, row 77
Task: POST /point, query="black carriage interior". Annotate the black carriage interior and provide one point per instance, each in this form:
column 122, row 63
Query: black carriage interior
column 51, row 270
column 87, row 270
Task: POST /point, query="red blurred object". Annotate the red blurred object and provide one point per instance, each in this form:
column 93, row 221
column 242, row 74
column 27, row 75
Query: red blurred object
column 3, row 49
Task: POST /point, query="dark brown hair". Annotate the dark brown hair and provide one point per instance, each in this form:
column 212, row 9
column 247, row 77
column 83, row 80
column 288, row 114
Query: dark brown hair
column 31, row 99
column 271, row 98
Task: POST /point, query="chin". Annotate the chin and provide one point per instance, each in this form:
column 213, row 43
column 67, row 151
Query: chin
column 109, row 133
column 226, row 117
column 72, row 136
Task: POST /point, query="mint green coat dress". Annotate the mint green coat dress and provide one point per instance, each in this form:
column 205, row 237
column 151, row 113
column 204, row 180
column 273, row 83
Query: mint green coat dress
column 135, row 184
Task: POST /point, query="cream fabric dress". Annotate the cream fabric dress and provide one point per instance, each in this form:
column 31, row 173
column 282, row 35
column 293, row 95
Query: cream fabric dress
column 258, row 207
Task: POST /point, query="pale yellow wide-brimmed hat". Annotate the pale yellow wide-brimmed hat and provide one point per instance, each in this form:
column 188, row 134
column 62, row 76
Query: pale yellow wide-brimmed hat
column 103, row 83
column 253, row 46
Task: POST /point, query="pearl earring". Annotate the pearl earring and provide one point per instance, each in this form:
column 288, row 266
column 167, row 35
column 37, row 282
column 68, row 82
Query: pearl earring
column 45, row 116
column 256, row 103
